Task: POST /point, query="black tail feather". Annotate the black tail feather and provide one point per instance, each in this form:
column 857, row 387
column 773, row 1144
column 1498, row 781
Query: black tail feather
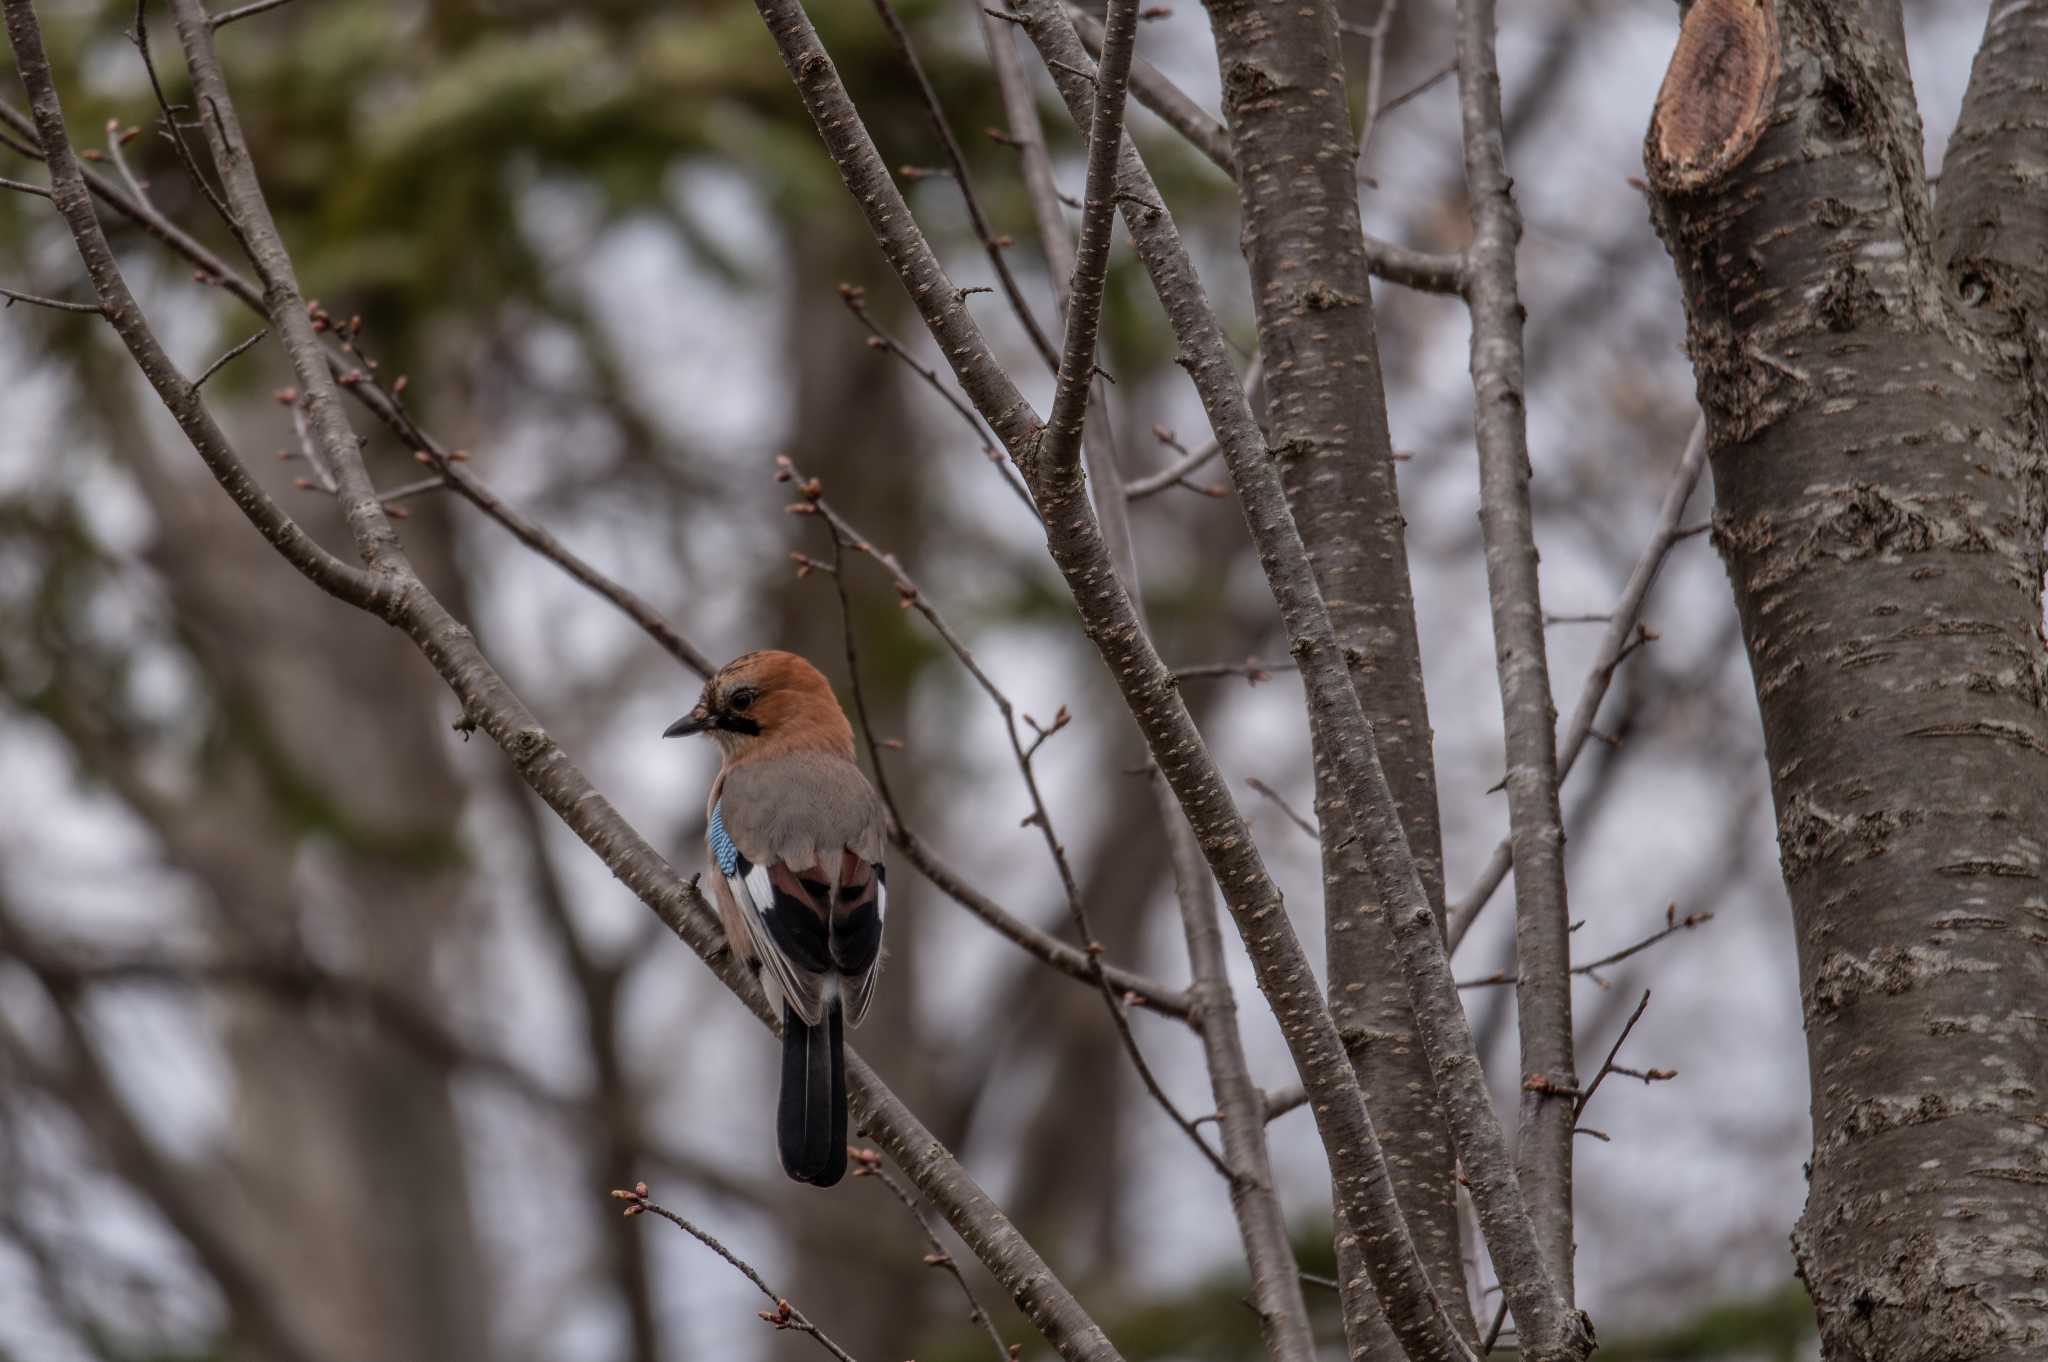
column 810, row 1119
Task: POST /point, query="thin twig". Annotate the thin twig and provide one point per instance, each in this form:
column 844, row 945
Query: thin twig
column 855, row 299
column 1500, row 1318
column 21, row 146
column 232, row 354
column 1421, row 87
column 172, row 129
column 868, row 1164
column 1176, row 473
column 24, row 187
column 957, row 161
column 312, row 451
column 783, row 1316
column 1614, row 645
column 1673, row 924
column 1067, row 959
column 412, row 489
column 1261, row 787
column 14, row 296
column 1252, row 669
column 1608, row 1066
column 1375, row 35
column 116, row 139
column 226, row 17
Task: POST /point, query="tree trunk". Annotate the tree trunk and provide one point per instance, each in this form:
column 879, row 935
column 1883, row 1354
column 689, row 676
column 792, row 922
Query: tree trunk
column 1869, row 375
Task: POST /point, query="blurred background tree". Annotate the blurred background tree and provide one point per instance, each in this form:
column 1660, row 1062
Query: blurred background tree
column 601, row 245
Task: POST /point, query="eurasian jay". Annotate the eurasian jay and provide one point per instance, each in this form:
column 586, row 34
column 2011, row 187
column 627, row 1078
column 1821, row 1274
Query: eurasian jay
column 796, row 833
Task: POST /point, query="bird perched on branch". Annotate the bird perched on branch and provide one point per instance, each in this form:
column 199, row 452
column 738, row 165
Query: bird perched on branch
column 796, row 833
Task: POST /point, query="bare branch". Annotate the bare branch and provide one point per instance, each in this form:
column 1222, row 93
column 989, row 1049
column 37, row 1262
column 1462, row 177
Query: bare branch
column 250, row 11
column 1262, row 1226
column 1417, row 90
column 1068, row 960
column 1283, row 1100
column 1253, row 670
column 173, row 130
column 1174, row 474
column 783, row 1316
column 1614, row 645
column 855, row 299
column 957, row 162
column 1608, row 1066
column 14, row 296
column 1061, row 441
column 867, row 178
column 1153, row 89
column 225, row 359
column 867, row 1164
column 1673, row 925
column 1279, row 802
column 1375, row 35
column 87, row 1087
column 74, row 203
column 1543, row 995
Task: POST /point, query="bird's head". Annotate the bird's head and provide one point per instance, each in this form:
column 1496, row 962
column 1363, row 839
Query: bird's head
column 768, row 701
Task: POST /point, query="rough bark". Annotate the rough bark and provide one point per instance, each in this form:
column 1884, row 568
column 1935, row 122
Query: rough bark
column 1876, row 446
column 1326, row 416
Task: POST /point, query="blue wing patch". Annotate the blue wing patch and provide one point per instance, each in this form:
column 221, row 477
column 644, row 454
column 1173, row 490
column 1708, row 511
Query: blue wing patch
column 722, row 848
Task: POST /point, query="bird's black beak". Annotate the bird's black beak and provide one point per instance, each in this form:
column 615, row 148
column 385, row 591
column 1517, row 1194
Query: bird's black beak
column 696, row 721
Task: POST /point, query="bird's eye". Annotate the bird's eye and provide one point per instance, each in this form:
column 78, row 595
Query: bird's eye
column 742, row 699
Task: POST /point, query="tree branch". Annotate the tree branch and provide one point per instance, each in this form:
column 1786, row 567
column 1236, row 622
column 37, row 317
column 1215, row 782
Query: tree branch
column 1068, row 960
column 868, row 1164
column 957, row 161
column 14, row 296
column 1543, row 994
column 1062, row 437
column 1991, row 217
column 1614, row 644
column 783, row 1316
